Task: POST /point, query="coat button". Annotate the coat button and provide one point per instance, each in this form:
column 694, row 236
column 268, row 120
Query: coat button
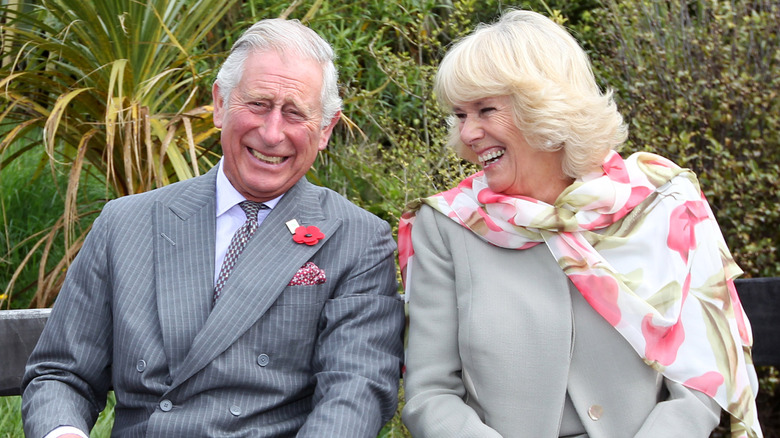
column 166, row 405
column 235, row 410
column 595, row 412
column 263, row 360
column 140, row 366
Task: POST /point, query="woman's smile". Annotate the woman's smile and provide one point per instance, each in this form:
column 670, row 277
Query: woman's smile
column 490, row 157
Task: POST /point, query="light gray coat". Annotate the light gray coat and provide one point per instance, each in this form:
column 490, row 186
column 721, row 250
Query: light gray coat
column 269, row 359
column 498, row 337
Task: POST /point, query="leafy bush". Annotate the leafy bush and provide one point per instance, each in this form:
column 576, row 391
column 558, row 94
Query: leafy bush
column 108, row 88
column 698, row 82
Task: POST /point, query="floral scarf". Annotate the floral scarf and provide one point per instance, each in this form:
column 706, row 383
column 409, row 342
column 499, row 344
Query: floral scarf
column 641, row 244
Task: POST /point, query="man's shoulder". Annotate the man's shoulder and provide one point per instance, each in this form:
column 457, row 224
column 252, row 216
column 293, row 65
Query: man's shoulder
column 170, row 193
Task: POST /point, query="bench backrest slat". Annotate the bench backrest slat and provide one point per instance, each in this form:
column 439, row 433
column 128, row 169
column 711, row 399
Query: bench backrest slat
column 760, row 298
column 19, row 331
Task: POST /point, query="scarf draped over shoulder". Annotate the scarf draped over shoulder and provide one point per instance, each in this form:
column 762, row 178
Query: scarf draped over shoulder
column 641, row 244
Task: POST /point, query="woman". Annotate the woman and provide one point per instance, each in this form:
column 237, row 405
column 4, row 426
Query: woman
column 564, row 291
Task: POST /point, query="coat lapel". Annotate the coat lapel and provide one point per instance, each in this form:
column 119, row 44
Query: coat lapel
column 184, row 269
column 262, row 272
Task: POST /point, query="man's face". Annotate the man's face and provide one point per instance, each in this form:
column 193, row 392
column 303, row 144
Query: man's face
column 271, row 128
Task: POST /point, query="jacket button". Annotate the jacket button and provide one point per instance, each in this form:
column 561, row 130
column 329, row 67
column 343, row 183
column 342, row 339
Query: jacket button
column 595, row 412
column 235, row 410
column 140, row 366
column 263, row 360
column 166, row 405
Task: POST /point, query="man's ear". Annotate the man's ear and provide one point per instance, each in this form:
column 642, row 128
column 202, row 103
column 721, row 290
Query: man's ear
column 328, row 130
column 219, row 105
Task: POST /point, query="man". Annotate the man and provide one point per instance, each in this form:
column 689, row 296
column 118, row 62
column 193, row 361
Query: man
column 304, row 336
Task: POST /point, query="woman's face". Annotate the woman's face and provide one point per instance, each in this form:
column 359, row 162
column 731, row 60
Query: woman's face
column 488, row 129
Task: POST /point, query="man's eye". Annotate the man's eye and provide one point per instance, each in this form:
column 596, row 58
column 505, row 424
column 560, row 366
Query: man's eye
column 293, row 114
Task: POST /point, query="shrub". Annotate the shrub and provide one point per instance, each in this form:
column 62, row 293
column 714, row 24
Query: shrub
column 698, row 83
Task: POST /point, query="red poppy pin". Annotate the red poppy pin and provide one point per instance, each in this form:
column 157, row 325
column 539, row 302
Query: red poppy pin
column 309, row 235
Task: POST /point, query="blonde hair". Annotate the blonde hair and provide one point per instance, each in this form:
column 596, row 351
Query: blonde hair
column 541, row 67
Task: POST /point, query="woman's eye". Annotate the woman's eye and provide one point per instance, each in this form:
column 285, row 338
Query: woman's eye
column 460, row 116
column 487, row 110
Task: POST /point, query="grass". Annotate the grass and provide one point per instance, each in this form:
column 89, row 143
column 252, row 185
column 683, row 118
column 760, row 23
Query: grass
column 27, row 199
column 11, row 418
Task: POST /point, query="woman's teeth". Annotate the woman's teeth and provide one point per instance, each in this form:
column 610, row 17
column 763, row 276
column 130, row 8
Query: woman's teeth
column 267, row 159
column 490, row 157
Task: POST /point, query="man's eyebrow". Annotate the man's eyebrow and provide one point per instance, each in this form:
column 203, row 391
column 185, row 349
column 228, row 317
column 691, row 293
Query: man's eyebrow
column 288, row 102
column 249, row 95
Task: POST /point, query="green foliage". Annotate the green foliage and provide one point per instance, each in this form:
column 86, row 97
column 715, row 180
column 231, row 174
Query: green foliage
column 26, row 205
column 698, row 83
column 11, row 418
column 107, row 91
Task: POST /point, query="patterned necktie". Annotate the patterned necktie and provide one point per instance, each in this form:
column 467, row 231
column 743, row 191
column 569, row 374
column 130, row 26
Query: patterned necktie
column 237, row 244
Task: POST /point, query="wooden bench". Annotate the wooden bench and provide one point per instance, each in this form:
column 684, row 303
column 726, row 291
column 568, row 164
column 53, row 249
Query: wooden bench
column 20, row 329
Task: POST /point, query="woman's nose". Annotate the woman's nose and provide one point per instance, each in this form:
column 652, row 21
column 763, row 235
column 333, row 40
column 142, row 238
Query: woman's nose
column 470, row 130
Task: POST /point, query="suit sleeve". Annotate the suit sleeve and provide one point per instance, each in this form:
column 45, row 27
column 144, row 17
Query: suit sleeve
column 433, row 383
column 358, row 353
column 67, row 376
column 685, row 413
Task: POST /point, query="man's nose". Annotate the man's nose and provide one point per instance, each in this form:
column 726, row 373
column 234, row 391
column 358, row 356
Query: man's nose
column 272, row 129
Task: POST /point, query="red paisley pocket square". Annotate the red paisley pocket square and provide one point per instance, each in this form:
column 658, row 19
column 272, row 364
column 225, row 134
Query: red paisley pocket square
column 309, row 275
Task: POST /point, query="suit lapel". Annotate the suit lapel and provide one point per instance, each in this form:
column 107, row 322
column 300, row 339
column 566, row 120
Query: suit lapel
column 262, row 272
column 184, row 272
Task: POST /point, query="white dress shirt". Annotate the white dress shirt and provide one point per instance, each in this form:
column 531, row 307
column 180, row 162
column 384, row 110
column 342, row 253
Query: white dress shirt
column 230, row 216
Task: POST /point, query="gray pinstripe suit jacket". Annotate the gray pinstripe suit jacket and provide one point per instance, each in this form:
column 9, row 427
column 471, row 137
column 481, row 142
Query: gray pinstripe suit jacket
column 270, row 360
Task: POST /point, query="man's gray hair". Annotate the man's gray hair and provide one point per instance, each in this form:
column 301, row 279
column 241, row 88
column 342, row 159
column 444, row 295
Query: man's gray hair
column 283, row 36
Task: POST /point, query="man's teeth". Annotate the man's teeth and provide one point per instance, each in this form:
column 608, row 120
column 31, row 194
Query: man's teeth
column 267, row 159
column 490, row 157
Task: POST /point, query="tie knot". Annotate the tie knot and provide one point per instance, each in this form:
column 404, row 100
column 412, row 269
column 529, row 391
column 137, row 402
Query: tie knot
column 251, row 208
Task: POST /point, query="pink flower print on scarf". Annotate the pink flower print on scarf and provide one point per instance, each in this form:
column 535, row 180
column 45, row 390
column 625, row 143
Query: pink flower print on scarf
column 605, row 302
column 682, row 226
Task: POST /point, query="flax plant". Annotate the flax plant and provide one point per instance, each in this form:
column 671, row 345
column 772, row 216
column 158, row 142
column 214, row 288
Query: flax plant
column 111, row 92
